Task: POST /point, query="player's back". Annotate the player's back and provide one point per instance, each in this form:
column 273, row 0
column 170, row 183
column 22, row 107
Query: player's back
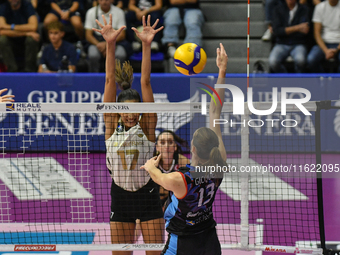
column 192, row 214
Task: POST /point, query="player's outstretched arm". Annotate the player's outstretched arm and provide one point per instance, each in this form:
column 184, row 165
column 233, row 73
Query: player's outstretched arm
column 148, row 121
column 6, row 98
column 110, row 91
column 146, row 36
column 215, row 110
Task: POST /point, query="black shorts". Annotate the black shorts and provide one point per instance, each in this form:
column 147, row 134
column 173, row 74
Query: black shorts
column 143, row 204
column 205, row 243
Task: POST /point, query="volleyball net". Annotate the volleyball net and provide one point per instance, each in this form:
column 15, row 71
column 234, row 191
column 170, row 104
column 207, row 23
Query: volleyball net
column 55, row 185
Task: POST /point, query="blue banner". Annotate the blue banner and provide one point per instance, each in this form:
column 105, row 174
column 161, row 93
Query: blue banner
column 20, row 130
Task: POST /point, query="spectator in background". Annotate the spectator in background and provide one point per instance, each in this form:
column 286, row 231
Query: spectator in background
column 53, row 54
column 326, row 19
column 188, row 12
column 97, row 49
column 122, row 4
column 66, row 11
column 138, row 9
column 18, row 35
column 290, row 27
column 269, row 8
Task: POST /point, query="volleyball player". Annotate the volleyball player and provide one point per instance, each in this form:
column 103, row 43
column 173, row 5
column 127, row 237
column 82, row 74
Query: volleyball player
column 6, row 98
column 189, row 213
column 130, row 140
column 168, row 144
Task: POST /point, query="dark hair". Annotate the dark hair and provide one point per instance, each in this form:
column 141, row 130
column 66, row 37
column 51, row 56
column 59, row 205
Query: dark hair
column 180, row 142
column 206, row 142
column 124, row 79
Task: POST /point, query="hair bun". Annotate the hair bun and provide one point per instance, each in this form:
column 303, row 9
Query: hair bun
column 125, row 85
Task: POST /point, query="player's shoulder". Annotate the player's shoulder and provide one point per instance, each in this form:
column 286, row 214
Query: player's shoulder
column 184, row 169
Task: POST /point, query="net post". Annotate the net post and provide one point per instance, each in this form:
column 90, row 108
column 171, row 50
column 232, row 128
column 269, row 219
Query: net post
column 320, row 105
column 245, row 179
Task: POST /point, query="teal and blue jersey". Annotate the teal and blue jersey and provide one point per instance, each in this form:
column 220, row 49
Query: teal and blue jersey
column 192, row 214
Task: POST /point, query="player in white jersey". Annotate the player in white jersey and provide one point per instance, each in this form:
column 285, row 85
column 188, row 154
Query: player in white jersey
column 130, row 140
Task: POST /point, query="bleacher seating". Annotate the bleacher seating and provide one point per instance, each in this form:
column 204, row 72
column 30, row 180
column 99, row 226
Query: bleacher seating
column 226, row 22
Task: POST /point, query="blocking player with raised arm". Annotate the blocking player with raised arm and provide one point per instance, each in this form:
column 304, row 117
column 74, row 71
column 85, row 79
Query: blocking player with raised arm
column 130, row 140
column 189, row 215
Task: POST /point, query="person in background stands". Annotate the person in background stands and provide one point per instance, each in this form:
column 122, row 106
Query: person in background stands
column 66, row 11
column 290, row 26
column 326, row 20
column 138, row 9
column 188, row 12
column 53, row 54
column 97, row 49
column 18, row 35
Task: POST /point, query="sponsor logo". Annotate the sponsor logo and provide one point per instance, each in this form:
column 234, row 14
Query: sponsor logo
column 25, row 107
column 274, row 249
column 120, row 127
column 10, row 107
column 100, row 107
column 34, row 248
column 298, row 251
column 190, row 222
column 146, row 246
column 111, row 107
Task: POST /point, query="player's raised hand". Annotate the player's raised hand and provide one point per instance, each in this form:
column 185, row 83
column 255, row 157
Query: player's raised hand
column 148, row 33
column 6, row 98
column 221, row 58
column 151, row 163
column 108, row 33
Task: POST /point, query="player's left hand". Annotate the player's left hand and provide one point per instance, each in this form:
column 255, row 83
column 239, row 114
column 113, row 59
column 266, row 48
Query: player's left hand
column 148, row 33
column 6, row 98
column 109, row 34
column 221, row 58
column 151, row 163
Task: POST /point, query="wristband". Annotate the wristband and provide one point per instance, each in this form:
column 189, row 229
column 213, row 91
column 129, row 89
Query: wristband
column 12, row 26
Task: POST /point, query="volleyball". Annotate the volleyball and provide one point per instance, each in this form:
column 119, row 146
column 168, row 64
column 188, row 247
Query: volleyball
column 190, row 59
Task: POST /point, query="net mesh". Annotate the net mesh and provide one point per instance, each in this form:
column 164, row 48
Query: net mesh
column 55, row 186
